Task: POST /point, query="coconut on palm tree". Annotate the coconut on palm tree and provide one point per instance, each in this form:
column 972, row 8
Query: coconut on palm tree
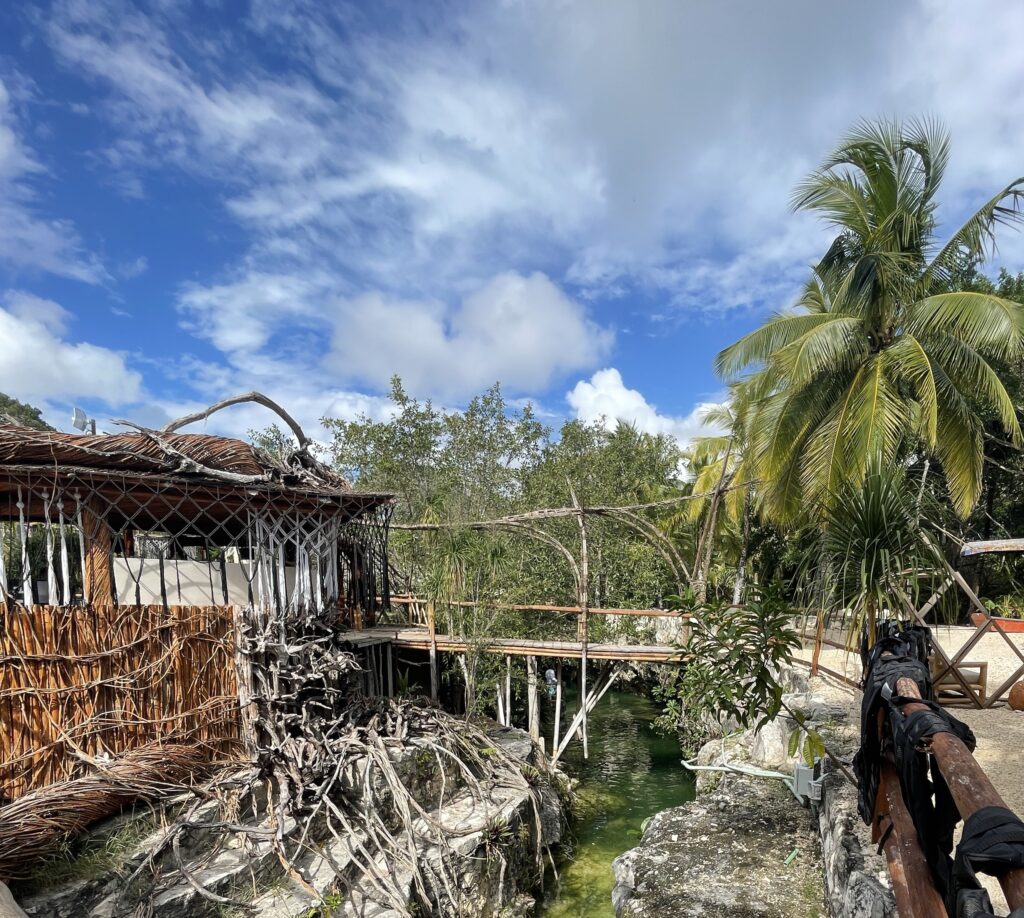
column 881, row 356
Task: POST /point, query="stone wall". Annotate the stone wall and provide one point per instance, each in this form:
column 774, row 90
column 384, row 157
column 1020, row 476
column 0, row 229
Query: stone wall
column 725, row 853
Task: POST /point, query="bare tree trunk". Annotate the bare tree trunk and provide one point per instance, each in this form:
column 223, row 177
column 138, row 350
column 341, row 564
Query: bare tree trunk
column 741, row 566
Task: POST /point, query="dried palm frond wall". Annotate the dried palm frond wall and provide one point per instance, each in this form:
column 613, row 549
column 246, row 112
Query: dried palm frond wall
column 120, row 592
column 80, row 683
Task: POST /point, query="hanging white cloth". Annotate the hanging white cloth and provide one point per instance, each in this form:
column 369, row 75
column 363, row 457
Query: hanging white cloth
column 26, row 572
column 65, row 565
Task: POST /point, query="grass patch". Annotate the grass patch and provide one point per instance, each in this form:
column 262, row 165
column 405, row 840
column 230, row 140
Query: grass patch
column 91, row 856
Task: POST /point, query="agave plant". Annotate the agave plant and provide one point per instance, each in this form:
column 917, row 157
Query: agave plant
column 871, row 540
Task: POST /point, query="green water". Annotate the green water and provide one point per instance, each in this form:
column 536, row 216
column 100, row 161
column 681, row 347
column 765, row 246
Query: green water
column 632, row 773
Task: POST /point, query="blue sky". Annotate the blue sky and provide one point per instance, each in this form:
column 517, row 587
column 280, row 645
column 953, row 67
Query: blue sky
column 583, row 200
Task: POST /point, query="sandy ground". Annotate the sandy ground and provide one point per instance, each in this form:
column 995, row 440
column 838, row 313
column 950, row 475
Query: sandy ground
column 999, row 730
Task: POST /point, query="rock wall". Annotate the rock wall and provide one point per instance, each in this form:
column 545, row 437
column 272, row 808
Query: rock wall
column 725, row 853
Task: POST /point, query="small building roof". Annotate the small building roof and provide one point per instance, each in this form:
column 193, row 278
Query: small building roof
column 178, row 458
column 992, row 547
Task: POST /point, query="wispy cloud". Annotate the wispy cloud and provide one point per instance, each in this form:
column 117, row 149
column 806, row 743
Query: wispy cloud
column 31, row 240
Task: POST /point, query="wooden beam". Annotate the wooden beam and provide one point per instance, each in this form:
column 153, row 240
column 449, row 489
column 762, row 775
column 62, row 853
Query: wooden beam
column 970, row 786
column 543, row 607
column 912, row 882
column 532, row 708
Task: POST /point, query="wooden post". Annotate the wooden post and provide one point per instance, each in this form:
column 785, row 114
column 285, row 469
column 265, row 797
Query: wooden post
column 912, row 883
column 558, row 704
column 432, row 631
column 583, row 599
column 968, row 783
column 99, row 557
column 533, row 720
column 508, row 690
column 391, row 671
column 588, row 705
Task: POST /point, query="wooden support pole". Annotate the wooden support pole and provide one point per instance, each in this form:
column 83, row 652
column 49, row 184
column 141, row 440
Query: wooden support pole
column 508, row 690
column 532, row 708
column 432, row 631
column 912, row 882
column 588, row 705
column 558, row 705
column 970, row 786
column 99, row 557
column 391, row 671
column 584, row 601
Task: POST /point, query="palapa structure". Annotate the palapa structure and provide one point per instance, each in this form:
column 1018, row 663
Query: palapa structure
column 130, row 562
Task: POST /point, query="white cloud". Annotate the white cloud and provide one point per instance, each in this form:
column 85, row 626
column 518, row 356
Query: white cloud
column 605, row 398
column 39, row 363
column 522, row 331
column 29, row 240
column 603, row 143
column 241, row 315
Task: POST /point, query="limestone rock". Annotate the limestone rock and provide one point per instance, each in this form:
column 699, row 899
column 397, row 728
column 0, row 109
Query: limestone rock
column 724, row 855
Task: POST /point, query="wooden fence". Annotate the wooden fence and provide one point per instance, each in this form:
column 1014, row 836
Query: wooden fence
column 81, row 682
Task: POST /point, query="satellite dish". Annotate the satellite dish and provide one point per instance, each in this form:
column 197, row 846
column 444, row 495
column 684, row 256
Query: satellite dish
column 79, row 419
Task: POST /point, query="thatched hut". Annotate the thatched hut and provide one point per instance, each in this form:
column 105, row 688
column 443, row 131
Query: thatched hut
column 182, row 520
column 131, row 563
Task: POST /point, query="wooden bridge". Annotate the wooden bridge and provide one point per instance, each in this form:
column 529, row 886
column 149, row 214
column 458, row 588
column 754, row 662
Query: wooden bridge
column 377, row 643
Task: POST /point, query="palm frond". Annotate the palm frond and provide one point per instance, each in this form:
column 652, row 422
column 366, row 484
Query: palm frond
column 757, row 347
column 983, row 321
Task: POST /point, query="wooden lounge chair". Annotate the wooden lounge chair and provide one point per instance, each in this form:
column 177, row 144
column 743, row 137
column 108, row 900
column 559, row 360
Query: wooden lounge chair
column 948, row 689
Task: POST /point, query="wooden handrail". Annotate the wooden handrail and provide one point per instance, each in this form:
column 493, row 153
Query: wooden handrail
column 970, row 786
column 540, row 607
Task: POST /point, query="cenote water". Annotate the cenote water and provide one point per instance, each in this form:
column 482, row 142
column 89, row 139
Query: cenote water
column 632, row 773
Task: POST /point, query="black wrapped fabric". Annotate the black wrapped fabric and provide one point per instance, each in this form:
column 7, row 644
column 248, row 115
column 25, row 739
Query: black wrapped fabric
column 891, row 658
column 935, row 817
column 992, row 843
column 925, row 792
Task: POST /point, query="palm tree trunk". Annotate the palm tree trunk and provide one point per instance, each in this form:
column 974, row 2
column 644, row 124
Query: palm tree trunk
column 707, row 539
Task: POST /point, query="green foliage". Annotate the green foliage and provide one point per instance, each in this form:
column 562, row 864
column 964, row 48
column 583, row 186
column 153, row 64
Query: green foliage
column 1006, row 606
column 871, row 538
column 805, row 741
column 730, row 667
column 886, row 353
column 490, row 460
column 21, row 412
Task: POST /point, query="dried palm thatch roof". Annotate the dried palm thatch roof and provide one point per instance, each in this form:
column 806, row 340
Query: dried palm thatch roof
column 167, row 454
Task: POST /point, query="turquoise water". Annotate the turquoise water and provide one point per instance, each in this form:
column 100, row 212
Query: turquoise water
column 632, row 773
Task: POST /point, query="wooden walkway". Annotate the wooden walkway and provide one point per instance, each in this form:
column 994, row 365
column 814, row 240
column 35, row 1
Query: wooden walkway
column 418, row 638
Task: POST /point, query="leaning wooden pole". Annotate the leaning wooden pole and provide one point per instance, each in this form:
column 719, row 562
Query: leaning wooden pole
column 968, row 783
column 558, row 704
column 432, row 632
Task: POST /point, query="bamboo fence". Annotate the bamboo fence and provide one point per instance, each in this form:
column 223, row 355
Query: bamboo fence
column 81, row 683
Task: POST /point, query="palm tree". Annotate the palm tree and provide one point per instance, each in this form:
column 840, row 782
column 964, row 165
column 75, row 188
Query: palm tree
column 882, row 355
column 724, row 474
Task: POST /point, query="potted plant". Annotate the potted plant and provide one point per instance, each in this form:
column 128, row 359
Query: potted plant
column 1007, row 614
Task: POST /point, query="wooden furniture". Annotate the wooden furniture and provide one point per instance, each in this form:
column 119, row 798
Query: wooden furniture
column 950, row 690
